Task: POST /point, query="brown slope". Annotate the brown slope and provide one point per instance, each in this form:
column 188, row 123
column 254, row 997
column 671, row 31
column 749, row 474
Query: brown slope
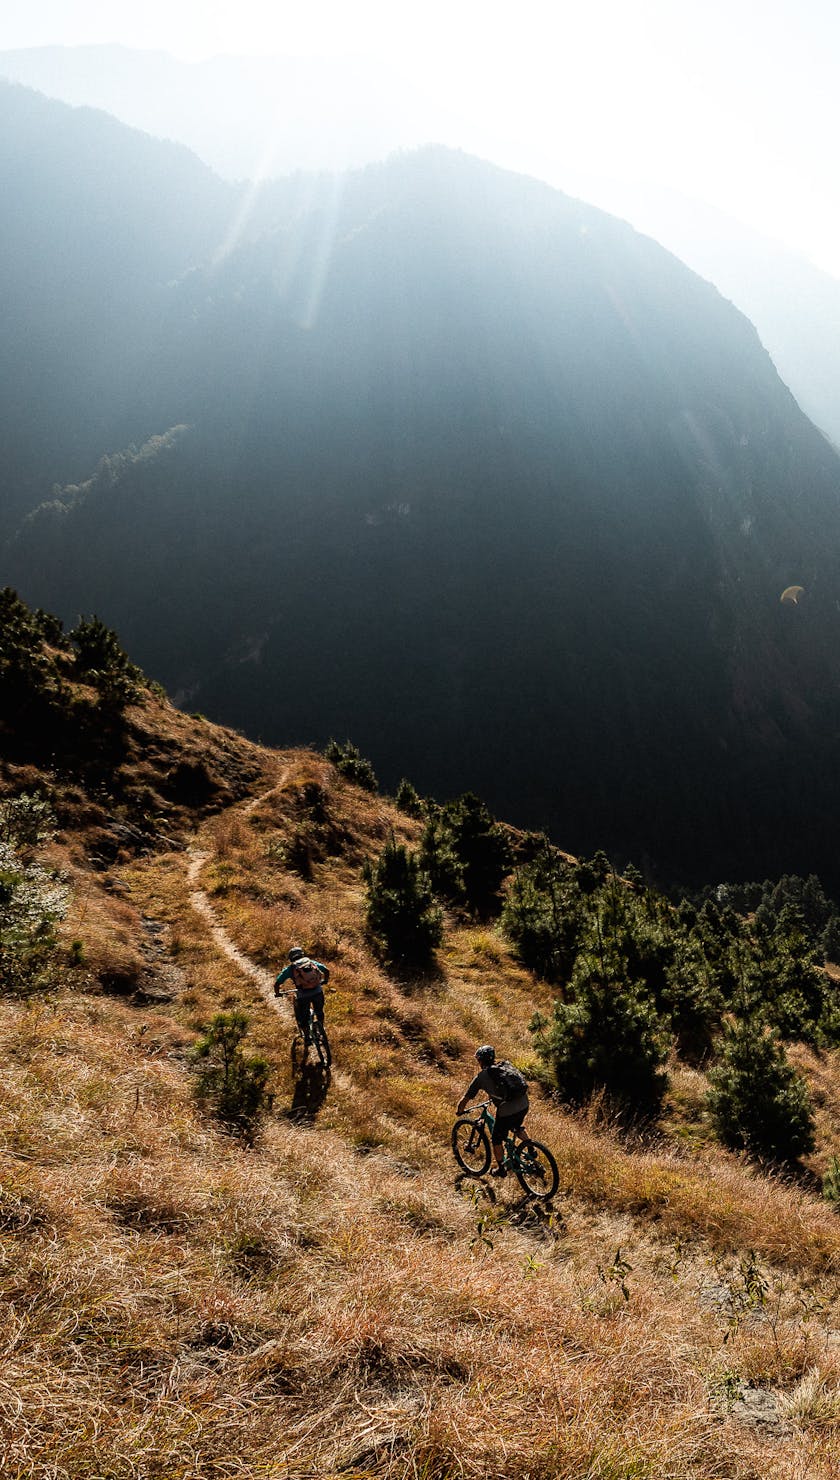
column 334, row 1302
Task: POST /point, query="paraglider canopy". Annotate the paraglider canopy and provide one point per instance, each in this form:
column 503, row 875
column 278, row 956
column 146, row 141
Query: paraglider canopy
column 791, row 595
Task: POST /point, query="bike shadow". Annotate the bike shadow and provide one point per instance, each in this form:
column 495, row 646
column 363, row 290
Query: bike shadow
column 535, row 1215
column 311, row 1084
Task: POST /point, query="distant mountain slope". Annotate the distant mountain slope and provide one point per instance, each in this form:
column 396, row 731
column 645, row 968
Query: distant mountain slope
column 287, row 114
column 481, row 477
column 278, row 113
column 795, row 306
column 97, row 219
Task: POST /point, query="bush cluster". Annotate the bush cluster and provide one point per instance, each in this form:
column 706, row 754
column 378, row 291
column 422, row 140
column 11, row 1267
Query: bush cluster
column 101, row 661
column 806, row 899
column 352, row 765
column 63, row 694
column 462, row 861
column 403, row 917
column 229, row 1081
column 38, row 660
column 32, row 900
column 638, row 976
column 466, row 854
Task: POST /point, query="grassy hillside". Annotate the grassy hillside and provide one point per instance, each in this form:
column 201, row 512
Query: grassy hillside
column 335, row 1300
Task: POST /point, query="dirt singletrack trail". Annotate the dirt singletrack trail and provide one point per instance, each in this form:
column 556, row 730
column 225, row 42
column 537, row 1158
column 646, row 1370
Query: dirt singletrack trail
column 202, row 904
column 524, row 1214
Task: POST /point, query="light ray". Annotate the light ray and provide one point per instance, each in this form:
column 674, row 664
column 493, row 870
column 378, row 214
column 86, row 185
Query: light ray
column 322, row 255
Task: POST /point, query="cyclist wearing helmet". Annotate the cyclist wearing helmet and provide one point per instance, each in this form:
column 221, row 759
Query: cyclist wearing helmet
column 309, row 978
column 508, row 1090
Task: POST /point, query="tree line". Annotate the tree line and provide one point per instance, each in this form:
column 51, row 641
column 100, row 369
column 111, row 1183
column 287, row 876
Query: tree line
column 723, row 981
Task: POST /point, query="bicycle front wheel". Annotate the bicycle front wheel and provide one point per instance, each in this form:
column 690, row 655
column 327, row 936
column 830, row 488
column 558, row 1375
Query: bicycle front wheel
column 321, row 1043
column 537, row 1170
column 471, row 1147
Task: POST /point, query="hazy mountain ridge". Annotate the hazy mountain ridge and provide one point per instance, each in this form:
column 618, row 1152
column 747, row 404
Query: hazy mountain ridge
column 99, row 219
column 794, row 304
column 313, row 113
column 280, row 114
column 518, row 468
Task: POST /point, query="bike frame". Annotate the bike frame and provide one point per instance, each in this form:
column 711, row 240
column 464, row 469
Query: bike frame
column 486, row 1116
column 531, row 1162
column 312, row 1023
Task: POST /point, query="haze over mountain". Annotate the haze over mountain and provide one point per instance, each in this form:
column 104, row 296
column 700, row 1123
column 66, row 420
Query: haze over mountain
column 321, row 113
column 280, row 113
column 436, row 457
column 794, row 305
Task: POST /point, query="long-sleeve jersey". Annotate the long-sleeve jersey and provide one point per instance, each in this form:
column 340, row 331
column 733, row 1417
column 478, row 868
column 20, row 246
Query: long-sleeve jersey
column 288, row 974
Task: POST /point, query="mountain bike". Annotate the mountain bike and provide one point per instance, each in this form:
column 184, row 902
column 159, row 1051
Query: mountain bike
column 531, row 1161
column 314, row 1035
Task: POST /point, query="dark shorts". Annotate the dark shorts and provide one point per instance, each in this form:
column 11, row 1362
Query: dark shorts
column 505, row 1123
column 302, row 1003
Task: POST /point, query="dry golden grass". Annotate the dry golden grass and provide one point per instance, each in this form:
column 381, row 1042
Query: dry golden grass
column 336, row 1301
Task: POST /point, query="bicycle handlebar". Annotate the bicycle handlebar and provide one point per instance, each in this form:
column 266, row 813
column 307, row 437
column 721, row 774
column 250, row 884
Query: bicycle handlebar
column 292, row 991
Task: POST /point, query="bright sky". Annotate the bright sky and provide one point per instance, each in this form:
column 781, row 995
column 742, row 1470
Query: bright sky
column 733, row 102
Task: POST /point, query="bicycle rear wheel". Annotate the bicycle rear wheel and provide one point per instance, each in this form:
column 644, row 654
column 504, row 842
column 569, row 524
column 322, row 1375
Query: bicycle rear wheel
column 536, row 1169
column 320, row 1042
column 471, row 1147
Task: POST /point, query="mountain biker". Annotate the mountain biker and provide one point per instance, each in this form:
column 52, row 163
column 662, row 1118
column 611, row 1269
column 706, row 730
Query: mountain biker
column 511, row 1102
column 309, row 977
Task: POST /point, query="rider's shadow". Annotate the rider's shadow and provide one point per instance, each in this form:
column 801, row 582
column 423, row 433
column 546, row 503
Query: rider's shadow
column 310, row 1091
column 475, row 1188
column 540, row 1217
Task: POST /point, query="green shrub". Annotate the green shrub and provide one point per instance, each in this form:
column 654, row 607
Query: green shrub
column 782, row 981
column 352, row 765
column 593, row 872
column 830, row 940
column 605, row 1038
column 32, row 900
column 229, row 1081
column 26, row 821
column 831, row 1182
column 543, row 914
column 402, row 917
column 438, row 861
column 102, row 662
column 408, row 799
column 757, row 1100
column 25, row 670
column 467, row 855
column 482, row 849
column 692, row 1000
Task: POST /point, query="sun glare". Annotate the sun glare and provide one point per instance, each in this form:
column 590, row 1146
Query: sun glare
column 735, row 106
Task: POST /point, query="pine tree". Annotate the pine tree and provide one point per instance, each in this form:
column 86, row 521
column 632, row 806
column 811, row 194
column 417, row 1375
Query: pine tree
column 230, row 1081
column 606, row 1037
column 102, row 661
column 352, row 765
column 402, row 916
column 757, row 1101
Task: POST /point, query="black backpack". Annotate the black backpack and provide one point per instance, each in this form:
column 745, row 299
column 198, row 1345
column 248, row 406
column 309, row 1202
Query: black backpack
column 509, row 1082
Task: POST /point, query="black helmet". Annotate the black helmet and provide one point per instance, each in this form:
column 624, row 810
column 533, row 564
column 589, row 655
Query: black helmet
column 486, row 1054
column 295, row 953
